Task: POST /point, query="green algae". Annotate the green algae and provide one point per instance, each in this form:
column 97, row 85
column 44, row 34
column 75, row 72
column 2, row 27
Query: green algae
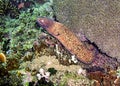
column 21, row 32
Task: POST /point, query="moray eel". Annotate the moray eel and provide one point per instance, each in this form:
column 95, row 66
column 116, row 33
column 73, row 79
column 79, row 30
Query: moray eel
column 98, row 65
column 68, row 39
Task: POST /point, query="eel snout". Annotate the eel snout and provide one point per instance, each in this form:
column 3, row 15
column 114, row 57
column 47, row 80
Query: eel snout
column 45, row 22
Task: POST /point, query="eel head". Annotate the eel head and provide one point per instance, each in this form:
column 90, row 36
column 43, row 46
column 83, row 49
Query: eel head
column 45, row 22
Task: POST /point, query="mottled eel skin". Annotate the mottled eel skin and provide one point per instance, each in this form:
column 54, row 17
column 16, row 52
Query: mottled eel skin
column 68, row 39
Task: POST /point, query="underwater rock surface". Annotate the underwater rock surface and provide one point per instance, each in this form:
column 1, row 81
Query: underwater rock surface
column 98, row 20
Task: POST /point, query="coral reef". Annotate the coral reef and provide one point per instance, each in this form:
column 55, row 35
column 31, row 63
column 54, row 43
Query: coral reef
column 59, row 74
column 36, row 58
column 16, row 39
column 13, row 28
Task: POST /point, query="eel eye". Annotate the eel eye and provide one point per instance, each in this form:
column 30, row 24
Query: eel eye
column 42, row 21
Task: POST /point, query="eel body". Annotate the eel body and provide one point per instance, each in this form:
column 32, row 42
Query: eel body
column 68, row 39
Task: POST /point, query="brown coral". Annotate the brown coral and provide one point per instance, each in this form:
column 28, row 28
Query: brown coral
column 106, row 79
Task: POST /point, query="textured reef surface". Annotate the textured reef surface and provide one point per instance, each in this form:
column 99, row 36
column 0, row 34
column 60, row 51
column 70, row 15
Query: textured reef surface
column 99, row 20
column 37, row 50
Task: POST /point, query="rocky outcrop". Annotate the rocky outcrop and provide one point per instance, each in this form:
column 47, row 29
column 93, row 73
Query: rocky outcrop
column 99, row 20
